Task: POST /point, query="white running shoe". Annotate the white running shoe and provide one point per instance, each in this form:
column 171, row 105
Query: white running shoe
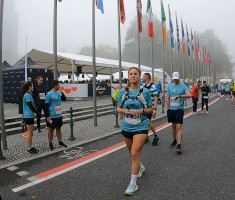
column 131, row 189
column 142, row 169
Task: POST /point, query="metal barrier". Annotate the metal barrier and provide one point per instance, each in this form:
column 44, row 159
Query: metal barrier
column 116, row 116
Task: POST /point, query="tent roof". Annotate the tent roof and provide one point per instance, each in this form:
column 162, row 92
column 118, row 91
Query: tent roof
column 64, row 62
column 6, row 65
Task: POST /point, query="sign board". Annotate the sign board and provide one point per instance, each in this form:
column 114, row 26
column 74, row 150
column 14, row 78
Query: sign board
column 75, row 90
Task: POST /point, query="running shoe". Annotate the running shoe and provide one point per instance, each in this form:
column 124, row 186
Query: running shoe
column 155, row 141
column 147, row 140
column 25, row 134
column 202, row 112
column 173, row 143
column 51, row 148
column 62, row 144
column 33, row 150
column 142, row 169
column 179, row 149
column 207, row 112
column 131, row 189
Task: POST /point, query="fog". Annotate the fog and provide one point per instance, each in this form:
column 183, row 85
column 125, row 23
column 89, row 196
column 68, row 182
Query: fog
column 34, row 18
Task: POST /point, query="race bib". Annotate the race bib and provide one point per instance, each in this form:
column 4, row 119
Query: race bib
column 205, row 97
column 42, row 96
column 58, row 110
column 175, row 102
column 130, row 119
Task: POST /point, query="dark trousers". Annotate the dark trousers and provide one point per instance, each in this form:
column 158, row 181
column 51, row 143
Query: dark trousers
column 39, row 109
column 205, row 101
column 195, row 99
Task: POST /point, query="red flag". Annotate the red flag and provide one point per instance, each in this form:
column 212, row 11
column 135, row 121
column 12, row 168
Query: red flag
column 140, row 15
column 122, row 12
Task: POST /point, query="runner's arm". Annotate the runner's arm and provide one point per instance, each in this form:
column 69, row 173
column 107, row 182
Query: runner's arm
column 167, row 101
column 30, row 104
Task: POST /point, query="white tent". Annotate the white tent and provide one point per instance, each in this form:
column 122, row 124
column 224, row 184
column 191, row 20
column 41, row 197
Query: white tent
column 67, row 62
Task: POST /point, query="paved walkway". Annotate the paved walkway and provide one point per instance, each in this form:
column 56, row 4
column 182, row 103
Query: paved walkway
column 84, row 131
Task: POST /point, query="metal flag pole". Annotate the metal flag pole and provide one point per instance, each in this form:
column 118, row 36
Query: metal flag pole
column 163, row 71
column 119, row 46
column 171, row 39
column 55, row 40
column 138, row 36
column 177, row 27
column 152, row 61
column 93, row 63
column 2, row 117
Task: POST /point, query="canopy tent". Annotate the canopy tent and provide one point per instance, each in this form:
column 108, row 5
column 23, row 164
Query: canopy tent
column 67, row 62
column 6, row 65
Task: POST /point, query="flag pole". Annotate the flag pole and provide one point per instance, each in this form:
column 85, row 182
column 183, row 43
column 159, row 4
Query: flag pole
column 183, row 50
column 119, row 46
column 163, row 71
column 3, row 130
column 55, row 40
column 138, row 36
column 26, row 61
column 152, row 61
column 177, row 27
column 94, row 63
column 170, row 40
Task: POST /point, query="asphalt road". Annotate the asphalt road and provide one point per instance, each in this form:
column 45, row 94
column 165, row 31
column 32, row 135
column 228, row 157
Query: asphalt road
column 205, row 169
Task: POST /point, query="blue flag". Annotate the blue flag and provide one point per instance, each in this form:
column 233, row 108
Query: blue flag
column 99, row 4
column 172, row 31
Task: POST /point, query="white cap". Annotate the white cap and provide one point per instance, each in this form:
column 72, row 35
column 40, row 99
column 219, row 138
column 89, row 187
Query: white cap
column 176, row 75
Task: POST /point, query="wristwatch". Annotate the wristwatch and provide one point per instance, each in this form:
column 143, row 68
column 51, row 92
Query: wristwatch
column 143, row 110
column 155, row 108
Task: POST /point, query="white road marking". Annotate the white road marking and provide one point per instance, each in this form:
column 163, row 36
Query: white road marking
column 22, row 173
column 12, row 168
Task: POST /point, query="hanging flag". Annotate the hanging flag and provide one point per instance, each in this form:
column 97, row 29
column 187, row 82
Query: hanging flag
column 206, row 58
column 99, row 4
column 188, row 42
column 163, row 23
column 192, row 42
column 150, row 20
column 178, row 34
column 140, row 15
column 203, row 52
column 171, row 29
column 196, row 50
column 122, row 12
column 199, row 51
column 183, row 38
column 210, row 62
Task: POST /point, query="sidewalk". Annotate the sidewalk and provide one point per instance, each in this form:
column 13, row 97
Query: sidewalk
column 84, row 131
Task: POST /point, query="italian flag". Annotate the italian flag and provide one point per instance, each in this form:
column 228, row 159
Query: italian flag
column 150, row 20
column 163, row 24
column 140, row 15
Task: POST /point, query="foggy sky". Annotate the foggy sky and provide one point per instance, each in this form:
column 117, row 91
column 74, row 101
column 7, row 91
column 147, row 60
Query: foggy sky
column 35, row 19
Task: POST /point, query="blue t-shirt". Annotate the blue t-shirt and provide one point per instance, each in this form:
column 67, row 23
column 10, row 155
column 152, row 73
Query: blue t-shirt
column 131, row 123
column 219, row 87
column 175, row 90
column 54, row 101
column 227, row 88
column 27, row 112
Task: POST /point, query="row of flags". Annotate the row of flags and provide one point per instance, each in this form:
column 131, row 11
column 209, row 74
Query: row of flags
column 202, row 55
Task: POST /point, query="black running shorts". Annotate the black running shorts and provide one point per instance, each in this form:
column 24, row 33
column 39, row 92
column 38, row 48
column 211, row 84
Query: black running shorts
column 29, row 121
column 130, row 135
column 175, row 116
column 55, row 123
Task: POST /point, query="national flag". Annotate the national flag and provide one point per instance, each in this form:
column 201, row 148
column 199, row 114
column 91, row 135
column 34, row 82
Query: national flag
column 210, row 65
column 183, row 39
column 192, row 42
column 122, row 12
column 171, row 29
column 188, row 42
column 99, row 4
column 206, row 56
column 178, row 34
column 199, row 51
column 203, row 52
column 140, row 15
column 150, row 20
column 163, row 23
column 196, row 50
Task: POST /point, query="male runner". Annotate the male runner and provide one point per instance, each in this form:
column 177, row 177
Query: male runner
column 176, row 92
column 154, row 96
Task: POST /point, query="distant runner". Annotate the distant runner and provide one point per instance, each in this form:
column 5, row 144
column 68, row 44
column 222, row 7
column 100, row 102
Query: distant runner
column 195, row 95
column 205, row 89
column 114, row 96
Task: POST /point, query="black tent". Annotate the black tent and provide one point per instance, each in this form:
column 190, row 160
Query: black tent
column 6, row 65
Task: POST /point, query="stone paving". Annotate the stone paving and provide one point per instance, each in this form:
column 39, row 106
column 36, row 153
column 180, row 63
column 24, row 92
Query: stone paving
column 84, row 131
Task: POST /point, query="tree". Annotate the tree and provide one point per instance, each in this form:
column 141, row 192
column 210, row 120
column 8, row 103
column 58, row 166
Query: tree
column 103, row 51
